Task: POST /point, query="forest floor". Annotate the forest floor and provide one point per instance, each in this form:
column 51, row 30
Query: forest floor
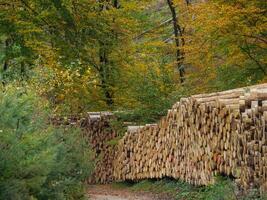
column 108, row 192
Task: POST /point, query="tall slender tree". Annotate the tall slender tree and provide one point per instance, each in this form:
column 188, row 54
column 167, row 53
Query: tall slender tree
column 179, row 41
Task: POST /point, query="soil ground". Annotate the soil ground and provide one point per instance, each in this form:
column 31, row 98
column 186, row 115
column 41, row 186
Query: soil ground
column 107, row 192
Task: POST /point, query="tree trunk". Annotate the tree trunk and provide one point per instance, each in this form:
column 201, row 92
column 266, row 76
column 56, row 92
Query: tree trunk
column 188, row 2
column 105, row 70
column 116, row 4
column 7, row 43
column 178, row 36
column 5, row 66
column 23, row 70
column 104, row 73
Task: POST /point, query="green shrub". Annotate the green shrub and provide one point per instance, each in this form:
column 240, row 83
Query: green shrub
column 223, row 189
column 151, row 93
column 38, row 161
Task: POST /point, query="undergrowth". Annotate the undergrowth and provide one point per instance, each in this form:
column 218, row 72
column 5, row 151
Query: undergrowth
column 223, row 189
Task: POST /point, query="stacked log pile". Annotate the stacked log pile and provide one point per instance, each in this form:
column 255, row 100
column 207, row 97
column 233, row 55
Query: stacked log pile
column 98, row 132
column 202, row 136
column 67, row 121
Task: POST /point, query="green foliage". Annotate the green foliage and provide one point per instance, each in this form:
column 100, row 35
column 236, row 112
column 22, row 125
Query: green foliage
column 118, row 126
column 228, row 42
column 154, row 92
column 236, row 77
column 159, row 186
column 223, row 189
column 89, row 55
column 38, row 161
column 96, row 55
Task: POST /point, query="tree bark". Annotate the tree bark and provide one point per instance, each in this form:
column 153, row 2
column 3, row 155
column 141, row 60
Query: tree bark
column 5, row 66
column 116, row 3
column 178, row 36
column 104, row 69
column 188, row 2
column 104, row 74
column 7, row 43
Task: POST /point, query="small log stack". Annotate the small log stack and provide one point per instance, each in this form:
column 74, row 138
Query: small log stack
column 98, row 133
column 202, row 136
column 67, row 121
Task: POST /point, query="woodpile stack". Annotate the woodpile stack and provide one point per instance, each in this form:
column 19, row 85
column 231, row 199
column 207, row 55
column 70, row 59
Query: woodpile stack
column 67, row 121
column 98, row 133
column 202, row 136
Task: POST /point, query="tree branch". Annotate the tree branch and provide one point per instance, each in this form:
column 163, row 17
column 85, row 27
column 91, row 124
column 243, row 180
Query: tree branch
column 254, row 59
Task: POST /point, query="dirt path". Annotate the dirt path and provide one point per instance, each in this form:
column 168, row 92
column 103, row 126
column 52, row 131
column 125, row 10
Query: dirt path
column 107, row 192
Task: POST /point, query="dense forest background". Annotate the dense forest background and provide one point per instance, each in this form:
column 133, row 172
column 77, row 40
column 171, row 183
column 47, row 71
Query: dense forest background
column 137, row 58
column 129, row 55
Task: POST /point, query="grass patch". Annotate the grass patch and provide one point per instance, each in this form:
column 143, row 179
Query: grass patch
column 122, row 185
column 223, row 189
column 156, row 186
